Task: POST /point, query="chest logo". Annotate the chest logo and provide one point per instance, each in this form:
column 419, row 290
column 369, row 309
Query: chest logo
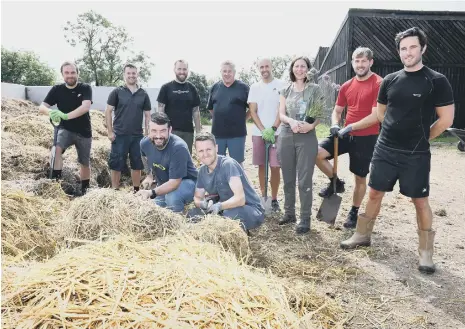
column 179, row 92
column 417, row 95
column 159, row 166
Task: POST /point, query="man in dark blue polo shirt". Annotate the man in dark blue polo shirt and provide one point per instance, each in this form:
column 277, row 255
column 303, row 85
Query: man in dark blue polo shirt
column 169, row 160
column 130, row 104
column 228, row 104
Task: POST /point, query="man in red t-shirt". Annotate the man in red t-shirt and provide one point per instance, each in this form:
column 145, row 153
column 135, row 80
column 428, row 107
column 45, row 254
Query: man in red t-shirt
column 358, row 137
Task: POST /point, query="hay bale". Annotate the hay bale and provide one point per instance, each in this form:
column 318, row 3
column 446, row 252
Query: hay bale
column 102, row 213
column 170, row 282
column 31, row 130
column 28, row 223
column 221, row 231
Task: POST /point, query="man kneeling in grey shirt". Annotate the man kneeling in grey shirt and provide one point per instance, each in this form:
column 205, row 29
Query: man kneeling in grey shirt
column 223, row 176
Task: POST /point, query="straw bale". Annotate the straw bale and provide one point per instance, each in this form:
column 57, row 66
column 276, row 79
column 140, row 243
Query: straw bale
column 31, row 130
column 166, row 283
column 221, row 231
column 106, row 212
column 28, row 222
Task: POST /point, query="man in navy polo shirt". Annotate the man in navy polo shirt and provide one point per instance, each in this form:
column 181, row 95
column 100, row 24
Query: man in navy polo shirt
column 130, row 104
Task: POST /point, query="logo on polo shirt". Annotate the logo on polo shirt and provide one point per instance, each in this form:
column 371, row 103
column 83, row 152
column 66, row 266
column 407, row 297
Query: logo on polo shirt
column 417, row 95
column 159, row 166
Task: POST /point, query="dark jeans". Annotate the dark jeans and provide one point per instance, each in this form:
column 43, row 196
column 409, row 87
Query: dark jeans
column 121, row 147
column 250, row 217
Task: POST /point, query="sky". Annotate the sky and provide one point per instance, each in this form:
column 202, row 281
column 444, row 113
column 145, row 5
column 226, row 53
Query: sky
column 203, row 33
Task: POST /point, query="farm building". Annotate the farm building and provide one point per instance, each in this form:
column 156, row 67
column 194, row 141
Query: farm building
column 376, row 29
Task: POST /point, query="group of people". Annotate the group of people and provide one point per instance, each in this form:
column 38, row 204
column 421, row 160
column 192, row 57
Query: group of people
column 285, row 118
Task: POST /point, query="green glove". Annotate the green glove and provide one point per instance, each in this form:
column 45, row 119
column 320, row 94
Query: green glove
column 268, row 135
column 53, row 115
column 56, row 115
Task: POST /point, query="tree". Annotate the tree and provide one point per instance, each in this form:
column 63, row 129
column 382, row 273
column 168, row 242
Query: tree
column 25, row 68
column 280, row 66
column 107, row 48
column 200, row 82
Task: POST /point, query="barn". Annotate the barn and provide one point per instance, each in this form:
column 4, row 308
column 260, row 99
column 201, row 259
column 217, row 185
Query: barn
column 376, row 29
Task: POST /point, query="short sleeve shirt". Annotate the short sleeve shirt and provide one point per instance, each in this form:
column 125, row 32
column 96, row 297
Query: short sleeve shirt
column 309, row 102
column 173, row 162
column 217, row 181
column 129, row 109
column 67, row 100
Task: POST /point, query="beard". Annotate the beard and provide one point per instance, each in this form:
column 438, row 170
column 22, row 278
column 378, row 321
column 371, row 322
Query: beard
column 163, row 145
column 71, row 81
column 363, row 74
column 415, row 62
column 181, row 77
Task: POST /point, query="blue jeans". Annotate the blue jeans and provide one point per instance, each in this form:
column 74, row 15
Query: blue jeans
column 176, row 200
column 235, row 146
column 250, row 217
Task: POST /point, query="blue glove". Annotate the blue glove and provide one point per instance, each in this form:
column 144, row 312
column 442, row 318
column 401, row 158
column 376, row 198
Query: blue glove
column 344, row 131
column 214, row 209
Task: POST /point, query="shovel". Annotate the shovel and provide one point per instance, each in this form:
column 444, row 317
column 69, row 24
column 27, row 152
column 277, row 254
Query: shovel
column 53, row 151
column 266, row 201
column 330, row 206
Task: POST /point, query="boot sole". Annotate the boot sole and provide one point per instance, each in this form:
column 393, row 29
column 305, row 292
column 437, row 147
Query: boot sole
column 301, row 231
column 347, row 247
column 426, row 269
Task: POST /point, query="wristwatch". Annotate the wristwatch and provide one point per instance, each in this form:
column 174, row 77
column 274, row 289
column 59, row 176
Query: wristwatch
column 154, row 194
column 274, row 128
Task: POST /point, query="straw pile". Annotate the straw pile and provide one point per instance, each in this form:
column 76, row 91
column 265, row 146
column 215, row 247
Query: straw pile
column 31, row 130
column 16, row 107
column 221, row 231
column 167, row 283
column 102, row 213
column 28, row 221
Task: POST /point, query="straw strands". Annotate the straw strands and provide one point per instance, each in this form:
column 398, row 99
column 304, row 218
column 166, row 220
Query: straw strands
column 166, row 283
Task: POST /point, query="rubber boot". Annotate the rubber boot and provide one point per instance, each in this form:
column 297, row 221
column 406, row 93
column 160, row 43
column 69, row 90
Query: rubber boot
column 425, row 250
column 362, row 235
column 303, row 226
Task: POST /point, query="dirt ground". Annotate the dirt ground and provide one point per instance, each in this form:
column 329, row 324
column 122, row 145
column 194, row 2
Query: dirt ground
column 379, row 286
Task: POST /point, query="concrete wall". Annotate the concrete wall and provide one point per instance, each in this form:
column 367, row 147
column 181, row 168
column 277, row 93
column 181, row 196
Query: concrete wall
column 99, row 95
column 12, row 90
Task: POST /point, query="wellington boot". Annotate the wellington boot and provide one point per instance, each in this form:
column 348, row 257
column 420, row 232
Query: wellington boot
column 425, row 250
column 362, row 234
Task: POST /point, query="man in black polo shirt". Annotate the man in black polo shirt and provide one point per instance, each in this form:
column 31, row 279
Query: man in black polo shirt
column 130, row 104
column 407, row 102
column 73, row 100
column 228, row 104
column 180, row 100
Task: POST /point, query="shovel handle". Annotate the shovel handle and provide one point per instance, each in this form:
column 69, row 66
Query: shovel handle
column 336, row 150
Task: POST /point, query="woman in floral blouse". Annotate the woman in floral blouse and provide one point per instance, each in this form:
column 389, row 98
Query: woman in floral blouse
column 300, row 108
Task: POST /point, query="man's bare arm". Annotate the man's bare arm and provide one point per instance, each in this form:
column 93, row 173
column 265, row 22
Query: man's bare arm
column 161, row 107
column 80, row 111
column 108, row 119
column 168, row 187
column 444, row 121
column 196, row 116
column 147, row 122
column 337, row 114
column 238, row 198
column 44, row 108
column 254, row 115
column 367, row 121
column 381, row 111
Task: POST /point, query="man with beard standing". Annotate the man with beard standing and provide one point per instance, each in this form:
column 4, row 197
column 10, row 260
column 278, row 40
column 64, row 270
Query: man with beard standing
column 358, row 137
column 73, row 100
column 180, row 100
column 130, row 104
column 169, row 160
column 228, row 104
column 408, row 100
column 264, row 104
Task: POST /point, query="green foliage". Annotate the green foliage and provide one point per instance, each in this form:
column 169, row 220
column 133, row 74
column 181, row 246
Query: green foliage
column 280, row 66
column 201, row 83
column 25, row 68
column 107, row 48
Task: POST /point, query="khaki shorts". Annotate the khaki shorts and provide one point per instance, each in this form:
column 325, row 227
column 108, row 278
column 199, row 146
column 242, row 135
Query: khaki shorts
column 258, row 153
column 66, row 138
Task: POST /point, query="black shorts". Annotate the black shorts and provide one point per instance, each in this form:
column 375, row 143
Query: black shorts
column 360, row 149
column 412, row 170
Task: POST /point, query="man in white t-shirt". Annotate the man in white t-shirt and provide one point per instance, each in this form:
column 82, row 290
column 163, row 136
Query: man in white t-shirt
column 263, row 105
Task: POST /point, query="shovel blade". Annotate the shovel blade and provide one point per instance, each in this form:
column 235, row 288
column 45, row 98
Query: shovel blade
column 266, row 203
column 329, row 209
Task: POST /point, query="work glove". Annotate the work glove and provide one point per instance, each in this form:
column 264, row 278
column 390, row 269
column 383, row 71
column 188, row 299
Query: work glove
column 56, row 115
column 334, row 130
column 268, row 135
column 214, row 209
column 344, row 131
column 204, row 204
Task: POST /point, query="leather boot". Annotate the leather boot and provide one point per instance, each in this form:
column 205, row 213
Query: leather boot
column 425, row 250
column 303, row 226
column 287, row 219
column 362, row 235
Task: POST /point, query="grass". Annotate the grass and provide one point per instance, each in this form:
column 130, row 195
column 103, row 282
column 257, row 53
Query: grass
column 446, row 137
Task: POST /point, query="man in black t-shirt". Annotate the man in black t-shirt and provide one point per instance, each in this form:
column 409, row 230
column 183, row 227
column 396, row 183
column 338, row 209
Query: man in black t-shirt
column 407, row 102
column 130, row 104
column 228, row 104
column 73, row 100
column 180, row 100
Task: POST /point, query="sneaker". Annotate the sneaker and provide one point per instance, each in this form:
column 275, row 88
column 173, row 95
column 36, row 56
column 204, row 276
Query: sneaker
column 287, row 219
column 275, row 206
column 351, row 221
column 329, row 190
